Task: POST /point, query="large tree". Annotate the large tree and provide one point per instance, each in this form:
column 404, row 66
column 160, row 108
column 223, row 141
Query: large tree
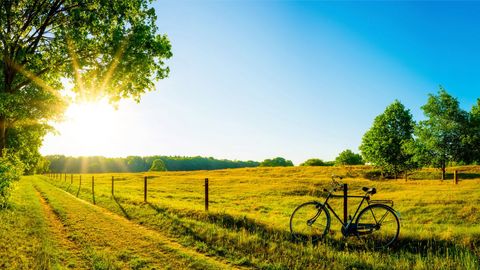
column 104, row 48
column 441, row 137
column 384, row 144
column 473, row 140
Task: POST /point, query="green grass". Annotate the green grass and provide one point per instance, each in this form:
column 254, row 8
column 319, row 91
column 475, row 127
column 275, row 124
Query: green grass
column 25, row 239
column 250, row 208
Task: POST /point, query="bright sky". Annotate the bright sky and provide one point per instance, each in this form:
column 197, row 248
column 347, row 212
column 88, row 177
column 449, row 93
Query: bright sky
column 258, row 79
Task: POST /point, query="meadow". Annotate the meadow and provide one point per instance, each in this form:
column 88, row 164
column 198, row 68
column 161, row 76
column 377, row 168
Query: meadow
column 247, row 222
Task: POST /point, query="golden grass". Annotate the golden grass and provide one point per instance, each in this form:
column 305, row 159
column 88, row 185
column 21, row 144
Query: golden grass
column 250, row 209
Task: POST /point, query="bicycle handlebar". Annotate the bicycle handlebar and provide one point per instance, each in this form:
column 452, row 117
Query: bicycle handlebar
column 336, row 186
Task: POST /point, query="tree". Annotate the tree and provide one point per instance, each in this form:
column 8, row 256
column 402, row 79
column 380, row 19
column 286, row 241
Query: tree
column 136, row 164
column 385, row 143
column 105, row 48
column 441, row 137
column 313, row 162
column 472, row 140
column 347, row 157
column 24, row 141
column 158, row 166
column 276, row 162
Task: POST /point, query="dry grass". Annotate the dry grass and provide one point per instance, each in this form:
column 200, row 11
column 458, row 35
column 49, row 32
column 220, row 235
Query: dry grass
column 250, row 208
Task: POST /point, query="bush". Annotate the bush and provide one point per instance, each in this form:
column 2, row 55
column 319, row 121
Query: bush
column 276, row 162
column 11, row 168
column 313, row 162
column 372, row 174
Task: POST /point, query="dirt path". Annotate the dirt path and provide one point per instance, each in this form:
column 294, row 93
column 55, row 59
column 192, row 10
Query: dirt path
column 72, row 253
column 111, row 241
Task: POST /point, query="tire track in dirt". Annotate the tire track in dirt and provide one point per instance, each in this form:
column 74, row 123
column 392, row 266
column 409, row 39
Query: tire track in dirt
column 72, row 253
column 111, row 233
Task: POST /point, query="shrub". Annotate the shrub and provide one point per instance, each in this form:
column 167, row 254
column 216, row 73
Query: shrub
column 313, row 162
column 372, row 174
column 11, row 168
column 276, row 162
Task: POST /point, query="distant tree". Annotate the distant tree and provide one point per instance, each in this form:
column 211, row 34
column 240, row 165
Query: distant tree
column 276, row 162
column 313, row 162
column 385, row 143
column 43, row 166
column 60, row 163
column 158, row 166
column 136, row 164
column 441, row 137
column 348, row 157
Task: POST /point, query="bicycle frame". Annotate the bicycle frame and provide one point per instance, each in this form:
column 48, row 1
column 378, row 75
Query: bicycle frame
column 345, row 223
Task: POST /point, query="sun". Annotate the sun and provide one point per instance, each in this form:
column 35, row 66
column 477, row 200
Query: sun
column 92, row 128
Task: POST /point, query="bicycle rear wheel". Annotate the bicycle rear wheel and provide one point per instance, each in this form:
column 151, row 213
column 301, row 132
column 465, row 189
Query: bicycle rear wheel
column 378, row 226
column 310, row 222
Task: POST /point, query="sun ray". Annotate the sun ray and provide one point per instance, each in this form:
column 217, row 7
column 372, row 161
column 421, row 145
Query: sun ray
column 35, row 79
column 114, row 63
column 76, row 68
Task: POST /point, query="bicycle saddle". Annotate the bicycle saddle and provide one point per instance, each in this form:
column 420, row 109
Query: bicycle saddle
column 369, row 190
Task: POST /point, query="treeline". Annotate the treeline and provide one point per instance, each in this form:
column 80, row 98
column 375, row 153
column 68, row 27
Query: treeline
column 99, row 164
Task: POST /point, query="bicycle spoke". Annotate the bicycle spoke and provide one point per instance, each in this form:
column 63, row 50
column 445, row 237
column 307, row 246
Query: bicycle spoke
column 309, row 222
column 378, row 226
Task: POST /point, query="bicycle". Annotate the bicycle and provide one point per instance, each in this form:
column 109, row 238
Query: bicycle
column 377, row 224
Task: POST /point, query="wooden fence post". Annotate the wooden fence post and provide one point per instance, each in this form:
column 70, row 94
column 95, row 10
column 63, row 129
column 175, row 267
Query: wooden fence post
column 455, row 177
column 145, row 189
column 93, row 189
column 206, row 194
column 79, row 185
column 345, row 204
column 113, row 186
column 71, row 179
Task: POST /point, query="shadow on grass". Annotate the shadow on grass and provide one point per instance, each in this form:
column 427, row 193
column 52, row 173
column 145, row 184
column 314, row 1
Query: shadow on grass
column 270, row 234
column 124, row 212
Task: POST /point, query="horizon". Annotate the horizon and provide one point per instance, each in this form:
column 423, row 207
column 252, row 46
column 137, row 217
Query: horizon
column 304, row 79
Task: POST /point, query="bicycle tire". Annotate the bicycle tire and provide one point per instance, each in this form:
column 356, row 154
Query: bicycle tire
column 310, row 222
column 378, row 225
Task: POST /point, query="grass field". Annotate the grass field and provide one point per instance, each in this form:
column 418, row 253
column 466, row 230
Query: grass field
column 246, row 226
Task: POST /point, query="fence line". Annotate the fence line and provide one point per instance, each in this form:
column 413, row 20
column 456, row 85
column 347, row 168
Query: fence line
column 59, row 176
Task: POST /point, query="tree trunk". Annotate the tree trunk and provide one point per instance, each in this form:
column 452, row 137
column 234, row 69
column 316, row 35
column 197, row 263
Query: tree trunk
column 3, row 135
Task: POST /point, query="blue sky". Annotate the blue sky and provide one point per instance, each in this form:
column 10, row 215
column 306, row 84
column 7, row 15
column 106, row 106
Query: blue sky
column 259, row 79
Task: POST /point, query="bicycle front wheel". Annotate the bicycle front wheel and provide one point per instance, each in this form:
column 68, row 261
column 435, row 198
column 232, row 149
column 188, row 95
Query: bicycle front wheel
column 378, row 226
column 310, row 222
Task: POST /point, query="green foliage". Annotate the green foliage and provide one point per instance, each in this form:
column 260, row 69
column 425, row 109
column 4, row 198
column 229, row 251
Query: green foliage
column 441, row 137
column 105, row 48
column 10, row 170
column 315, row 162
column 276, row 162
column 158, row 166
column 385, row 143
column 347, row 157
column 136, row 164
column 60, row 163
column 24, row 141
column 472, row 140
